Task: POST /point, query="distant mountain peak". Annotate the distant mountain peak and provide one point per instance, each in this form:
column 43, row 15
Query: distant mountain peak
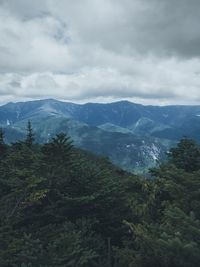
column 122, row 130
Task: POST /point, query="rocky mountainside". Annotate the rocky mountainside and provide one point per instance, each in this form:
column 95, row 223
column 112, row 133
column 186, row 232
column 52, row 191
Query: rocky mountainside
column 133, row 136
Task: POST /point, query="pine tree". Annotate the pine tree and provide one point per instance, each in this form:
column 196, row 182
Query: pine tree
column 58, row 150
column 3, row 146
column 30, row 135
column 1, row 136
column 186, row 155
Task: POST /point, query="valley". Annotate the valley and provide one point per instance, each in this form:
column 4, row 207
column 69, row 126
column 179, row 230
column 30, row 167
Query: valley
column 133, row 136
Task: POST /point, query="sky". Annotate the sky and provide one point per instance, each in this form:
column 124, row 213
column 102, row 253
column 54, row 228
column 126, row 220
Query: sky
column 144, row 51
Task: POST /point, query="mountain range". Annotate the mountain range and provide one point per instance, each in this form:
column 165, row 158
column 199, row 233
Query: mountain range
column 133, row 136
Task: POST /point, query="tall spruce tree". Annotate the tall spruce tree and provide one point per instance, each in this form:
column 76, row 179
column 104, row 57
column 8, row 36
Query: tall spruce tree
column 30, row 135
column 3, row 146
column 1, row 136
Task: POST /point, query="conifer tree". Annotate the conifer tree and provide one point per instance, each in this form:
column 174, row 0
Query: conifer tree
column 186, row 155
column 2, row 143
column 58, row 150
column 30, row 135
column 1, row 136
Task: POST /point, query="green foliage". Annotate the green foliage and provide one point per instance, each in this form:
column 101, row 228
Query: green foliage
column 59, row 149
column 3, row 146
column 1, row 136
column 186, row 155
column 30, row 135
column 167, row 232
column 60, row 206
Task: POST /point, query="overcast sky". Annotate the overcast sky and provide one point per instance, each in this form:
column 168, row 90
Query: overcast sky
column 145, row 51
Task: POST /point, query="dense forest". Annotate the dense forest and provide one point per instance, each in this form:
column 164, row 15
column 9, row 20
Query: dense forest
column 61, row 206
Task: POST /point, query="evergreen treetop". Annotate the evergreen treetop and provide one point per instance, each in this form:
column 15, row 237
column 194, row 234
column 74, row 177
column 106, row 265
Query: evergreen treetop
column 30, row 135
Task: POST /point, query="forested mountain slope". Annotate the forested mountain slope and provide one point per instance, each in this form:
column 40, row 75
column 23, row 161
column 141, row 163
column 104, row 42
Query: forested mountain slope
column 60, row 206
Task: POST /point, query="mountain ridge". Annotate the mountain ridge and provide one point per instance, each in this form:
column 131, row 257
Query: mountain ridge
column 116, row 129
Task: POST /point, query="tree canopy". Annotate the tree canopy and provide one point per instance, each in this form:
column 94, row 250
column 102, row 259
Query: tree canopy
column 61, row 206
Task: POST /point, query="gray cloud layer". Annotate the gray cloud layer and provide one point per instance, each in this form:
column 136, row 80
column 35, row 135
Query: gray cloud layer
column 100, row 50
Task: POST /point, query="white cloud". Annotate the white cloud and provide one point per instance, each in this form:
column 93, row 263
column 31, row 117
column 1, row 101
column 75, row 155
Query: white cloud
column 100, row 50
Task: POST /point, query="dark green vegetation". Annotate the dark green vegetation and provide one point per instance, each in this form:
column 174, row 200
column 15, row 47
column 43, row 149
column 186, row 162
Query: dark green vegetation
column 63, row 207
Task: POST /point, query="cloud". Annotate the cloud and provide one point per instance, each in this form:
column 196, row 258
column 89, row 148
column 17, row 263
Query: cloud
column 100, row 50
column 139, row 26
column 164, row 85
